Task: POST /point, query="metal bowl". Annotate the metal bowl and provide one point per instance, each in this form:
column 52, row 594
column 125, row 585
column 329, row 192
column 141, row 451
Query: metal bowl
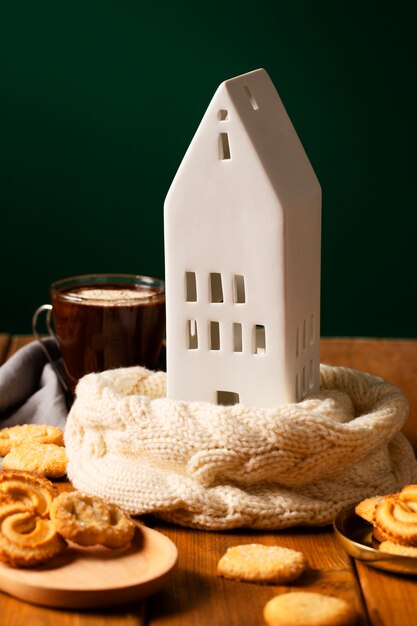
column 355, row 535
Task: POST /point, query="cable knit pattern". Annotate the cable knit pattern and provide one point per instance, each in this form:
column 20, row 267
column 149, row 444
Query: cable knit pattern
column 219, row 467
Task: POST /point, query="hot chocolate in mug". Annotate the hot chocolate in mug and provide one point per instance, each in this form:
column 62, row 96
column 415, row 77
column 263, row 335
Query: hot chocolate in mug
column 104, row 321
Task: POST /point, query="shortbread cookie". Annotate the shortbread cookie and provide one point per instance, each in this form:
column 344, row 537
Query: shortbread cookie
column 18, row 435
column 88, row 520
column 256, row 562
column 33, row 491
column 306, row 608
column 25, row 538
column 395, row 548
column 409, row 494
column 379, row 535
column 46, row 459
column 397, row 519
column 366, row 508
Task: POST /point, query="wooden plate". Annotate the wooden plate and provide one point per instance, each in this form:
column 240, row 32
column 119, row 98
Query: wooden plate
column 355, row 535
column 96, row 577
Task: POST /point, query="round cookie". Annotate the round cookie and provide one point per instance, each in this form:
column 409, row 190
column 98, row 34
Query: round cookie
column 256, row 562
column 18, row 435
column 307, row 608
column 88, row 520
column 47, row 459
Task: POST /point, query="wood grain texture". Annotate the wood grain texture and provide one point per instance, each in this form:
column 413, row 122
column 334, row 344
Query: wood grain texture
column 91, row 577
column 4, row 344
column 17, row 342
column 198, row 597
column 391, row 600
column 17, row 613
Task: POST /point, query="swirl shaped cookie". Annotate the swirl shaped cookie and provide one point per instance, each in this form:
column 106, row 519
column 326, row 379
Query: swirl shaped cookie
column 409, row 494
column 397, row 518
column 35, row 492
column 25, row 538
column 88, row 520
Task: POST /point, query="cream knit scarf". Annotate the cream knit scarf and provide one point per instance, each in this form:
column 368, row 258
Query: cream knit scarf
column 219, row 467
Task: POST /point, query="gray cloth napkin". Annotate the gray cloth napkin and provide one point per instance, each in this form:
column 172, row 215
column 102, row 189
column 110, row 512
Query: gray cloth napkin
column 30, row 392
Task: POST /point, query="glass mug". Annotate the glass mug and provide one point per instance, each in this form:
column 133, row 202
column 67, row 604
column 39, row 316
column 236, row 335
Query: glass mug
column 104, row 321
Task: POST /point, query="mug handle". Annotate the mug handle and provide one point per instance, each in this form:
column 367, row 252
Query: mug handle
column 37, row 313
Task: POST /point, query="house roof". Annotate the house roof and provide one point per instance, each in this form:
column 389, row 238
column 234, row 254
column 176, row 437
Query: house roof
column 272, row 134
column 246, row 112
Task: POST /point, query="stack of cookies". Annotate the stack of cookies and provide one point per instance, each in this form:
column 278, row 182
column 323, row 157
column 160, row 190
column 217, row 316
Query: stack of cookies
column 394, row 521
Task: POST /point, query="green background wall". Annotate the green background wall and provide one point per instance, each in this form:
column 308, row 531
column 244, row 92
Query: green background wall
column 99, row 100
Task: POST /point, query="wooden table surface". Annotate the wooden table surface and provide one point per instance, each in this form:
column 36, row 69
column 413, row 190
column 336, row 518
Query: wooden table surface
column 195, row 596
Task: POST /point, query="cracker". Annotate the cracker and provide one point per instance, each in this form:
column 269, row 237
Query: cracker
column 46, row 459
column 366, row 508
column 256, row 562
column 395, row 548
column 18, row 435
column 88, row 520
column 307, row 608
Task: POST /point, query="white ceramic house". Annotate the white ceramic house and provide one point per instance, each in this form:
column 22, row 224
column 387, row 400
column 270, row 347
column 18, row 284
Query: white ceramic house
column 242, row 255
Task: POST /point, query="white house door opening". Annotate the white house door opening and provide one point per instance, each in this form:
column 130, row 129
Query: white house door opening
column 227, row 397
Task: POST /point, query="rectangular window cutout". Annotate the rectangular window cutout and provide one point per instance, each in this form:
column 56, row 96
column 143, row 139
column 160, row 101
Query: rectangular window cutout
column 310, row 375
column 226, row 398
column 303, row 383
column 214, row 328
column 237, row 337
column 312, row 329
column 305, row 335
column 216, row 287
column 190, row 287
column 251, row 97
column 192, row 335
column 297, row 342
column 239, row 294
column 224, row 147
column 297, row 388
column 223, row 115
column 260, row 340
